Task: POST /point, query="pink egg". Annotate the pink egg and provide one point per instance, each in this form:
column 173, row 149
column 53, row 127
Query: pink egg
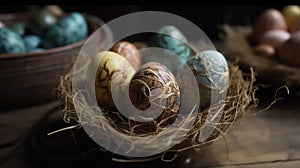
column 271, row 19
column 2, row 24
column 265, row 50
column 275, row 38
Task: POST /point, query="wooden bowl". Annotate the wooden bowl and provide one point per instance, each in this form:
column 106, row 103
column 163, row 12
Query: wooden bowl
column 32, row 78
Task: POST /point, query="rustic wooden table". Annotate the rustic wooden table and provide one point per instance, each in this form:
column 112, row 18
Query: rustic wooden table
column 268, row 139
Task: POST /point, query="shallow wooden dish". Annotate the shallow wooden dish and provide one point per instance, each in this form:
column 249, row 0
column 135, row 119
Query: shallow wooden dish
column 31, row 78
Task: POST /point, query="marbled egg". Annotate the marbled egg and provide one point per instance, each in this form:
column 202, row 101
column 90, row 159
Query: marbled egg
column 154, row 83
column 67, row 30
column 129, row 51
column 18, row 28
column 41, row 20
column 171, row 38
column 112, row 67
column 31, row 42
column 10, row 42
column 212, row 74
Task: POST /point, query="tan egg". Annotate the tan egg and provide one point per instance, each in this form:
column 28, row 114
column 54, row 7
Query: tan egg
column 291, row 13
column 271, row 19
column 289, row 52
column 153, row 84
column 275, row 38
column 265, row 50
column 129, row 51
column 111, row 67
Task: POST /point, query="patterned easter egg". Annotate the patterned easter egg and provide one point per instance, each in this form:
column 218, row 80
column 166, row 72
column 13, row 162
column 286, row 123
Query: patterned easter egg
column 212, row 74
column 31, row 42
column 112, row 67
column 171, row 38
column 10, row 42
column 129, row 51
column 67, row 30
column 153, row 81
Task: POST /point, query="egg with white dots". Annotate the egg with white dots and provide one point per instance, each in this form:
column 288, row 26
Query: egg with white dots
column 212, row 74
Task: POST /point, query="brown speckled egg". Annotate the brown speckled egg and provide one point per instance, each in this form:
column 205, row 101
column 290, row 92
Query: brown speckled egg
column 154, row 84
column 275, row 38
column 271, row 19
column 289, row 52
column 129, row 51
column 265, row 50
column 112, row 67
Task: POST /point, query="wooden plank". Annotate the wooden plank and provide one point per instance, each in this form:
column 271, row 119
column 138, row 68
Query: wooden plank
column 278, row 164
column 270, row 136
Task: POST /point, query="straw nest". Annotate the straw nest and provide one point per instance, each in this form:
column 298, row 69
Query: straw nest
column 240, row 98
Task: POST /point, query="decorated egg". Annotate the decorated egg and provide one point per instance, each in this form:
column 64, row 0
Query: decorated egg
column 19, row 28
column 212, row 74
column 67, row 30
column 171, row 38
column 271, row 19
column 31, row 42
column 10, row 42
column 112, row 67
column 41, row 20
column 129, row 51
column 154, row 84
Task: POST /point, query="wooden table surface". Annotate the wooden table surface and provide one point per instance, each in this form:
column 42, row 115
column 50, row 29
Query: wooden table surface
column 267, row 139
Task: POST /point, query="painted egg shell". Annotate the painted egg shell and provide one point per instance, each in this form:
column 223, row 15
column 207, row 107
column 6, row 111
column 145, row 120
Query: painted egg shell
column 129, row 51
column 41, row 20
column 212, row 74
column 170, row 38
column 31, row 42
column 19, row 28
column 154, row 83
column 67, row 30
column 10, row 42
column 115, row 67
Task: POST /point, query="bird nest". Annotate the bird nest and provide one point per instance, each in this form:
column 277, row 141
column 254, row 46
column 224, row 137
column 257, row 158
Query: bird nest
column 239, row 99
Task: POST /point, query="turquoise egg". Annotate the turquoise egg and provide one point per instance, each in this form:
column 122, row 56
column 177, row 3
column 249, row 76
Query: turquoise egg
column 212, row 74
column 171, row 38
column 10, row 42
column 67, row 30
column 36, row 50
column 19, row 28
column 31, row 41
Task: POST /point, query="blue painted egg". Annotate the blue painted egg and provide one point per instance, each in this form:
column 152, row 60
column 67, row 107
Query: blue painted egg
column 171, row 38
column 67, row 30
column 31, row 41
column 212, row 74
column 10, row 42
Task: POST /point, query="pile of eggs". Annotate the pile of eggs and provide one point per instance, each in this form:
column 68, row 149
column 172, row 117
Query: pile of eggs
column 46, row 28
column 150, row 80
column 276, row 34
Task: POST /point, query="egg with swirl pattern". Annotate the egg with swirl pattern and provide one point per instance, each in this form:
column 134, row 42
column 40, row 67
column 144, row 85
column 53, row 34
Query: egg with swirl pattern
column 110, row 67
column 212, row 74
